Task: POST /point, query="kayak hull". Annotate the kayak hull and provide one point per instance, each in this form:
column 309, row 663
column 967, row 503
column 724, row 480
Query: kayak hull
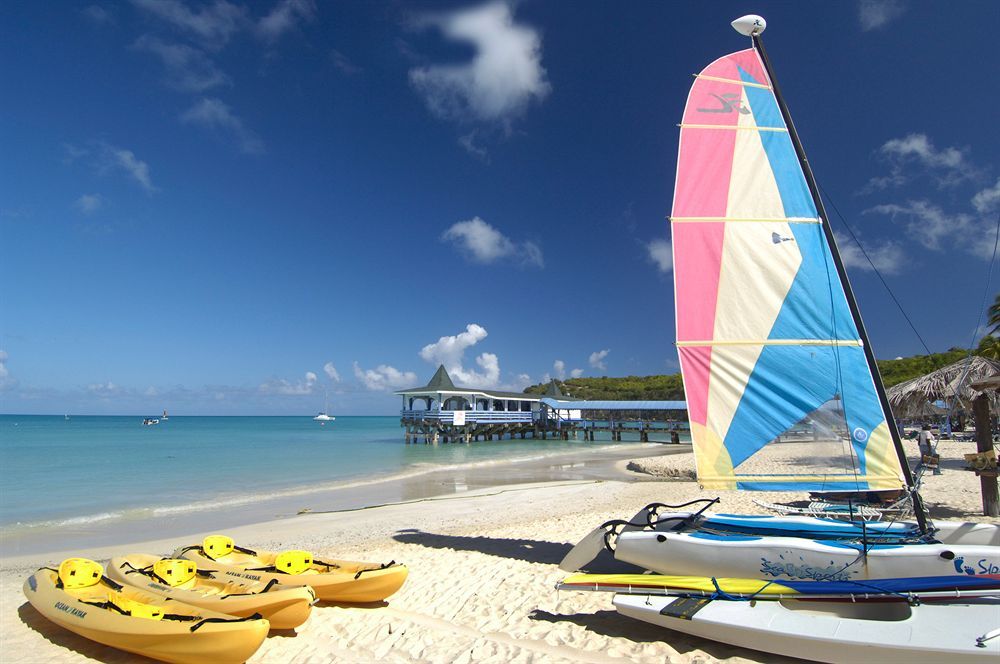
column 347, row 581
column 284, row 606
column 164, row 640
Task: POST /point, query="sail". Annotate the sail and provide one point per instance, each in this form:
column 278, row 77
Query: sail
column 779, row 393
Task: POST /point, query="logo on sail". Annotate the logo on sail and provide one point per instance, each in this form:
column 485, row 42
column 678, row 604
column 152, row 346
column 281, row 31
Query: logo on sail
column 860, row 435
column 729, row 102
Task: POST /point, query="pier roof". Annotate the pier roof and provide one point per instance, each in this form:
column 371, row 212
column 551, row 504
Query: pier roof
column 614, row 405
column 442, row 382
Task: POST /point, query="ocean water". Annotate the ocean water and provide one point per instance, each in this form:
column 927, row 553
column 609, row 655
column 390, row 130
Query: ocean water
column 88, row 472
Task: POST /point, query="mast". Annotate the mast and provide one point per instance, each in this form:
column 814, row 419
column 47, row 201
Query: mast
column 918, row 507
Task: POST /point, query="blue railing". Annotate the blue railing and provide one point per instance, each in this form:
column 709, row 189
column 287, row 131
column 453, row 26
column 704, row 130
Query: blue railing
column 471, row 416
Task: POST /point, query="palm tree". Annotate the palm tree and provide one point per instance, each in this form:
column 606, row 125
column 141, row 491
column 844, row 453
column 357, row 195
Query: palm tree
column 994, row 312
column 989, row 347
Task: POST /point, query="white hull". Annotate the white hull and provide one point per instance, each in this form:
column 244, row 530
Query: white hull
column 323, row 418
column 698, row 554
column 835, row 631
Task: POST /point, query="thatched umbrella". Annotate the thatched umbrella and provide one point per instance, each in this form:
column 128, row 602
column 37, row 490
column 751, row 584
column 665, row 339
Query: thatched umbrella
column 951, row 384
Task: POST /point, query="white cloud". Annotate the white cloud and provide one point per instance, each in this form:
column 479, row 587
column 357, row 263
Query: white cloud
column 331, row 372
column 504, row 76
column 926, row 222
column 576, row 373
column 661, row 253
column 450, row 351
column 284, row 17
column 597, row 359
column 103, row 390
column 284, row 387
column 483, row 243
column 947, row 166
column 988, row 199
column 876, row 13
column 343, row 63
column 214, row 114
column 89, row 203
column 115, row 158
column 384, row 377
column 188, row 68
column 560, row 368
column 888, row 257
column 98, row 15
column 213, row 24
column 4, row 371
column 151, row 391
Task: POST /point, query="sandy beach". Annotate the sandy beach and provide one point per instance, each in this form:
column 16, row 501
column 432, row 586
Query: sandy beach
column 482, row 576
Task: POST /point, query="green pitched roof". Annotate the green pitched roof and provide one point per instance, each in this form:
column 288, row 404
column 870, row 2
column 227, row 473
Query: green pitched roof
column 441, row 380
column 553, row 389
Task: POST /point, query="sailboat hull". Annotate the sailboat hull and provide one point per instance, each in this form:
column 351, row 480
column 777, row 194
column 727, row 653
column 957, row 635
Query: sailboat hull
column 706, row 554
column 832, row 631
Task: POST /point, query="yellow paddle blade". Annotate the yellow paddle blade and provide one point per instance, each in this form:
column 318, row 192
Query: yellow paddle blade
column 217, row 546
column 80, row 573
column 293, row 562
column 134, row 608
column 174, row 571
column 610, row 582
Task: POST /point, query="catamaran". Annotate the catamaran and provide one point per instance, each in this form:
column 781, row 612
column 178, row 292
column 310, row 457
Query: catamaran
column 782, row 388
column 783, row 394
column 323, row 416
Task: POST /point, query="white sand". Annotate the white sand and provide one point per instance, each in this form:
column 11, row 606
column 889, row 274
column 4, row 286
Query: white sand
column 482, row 572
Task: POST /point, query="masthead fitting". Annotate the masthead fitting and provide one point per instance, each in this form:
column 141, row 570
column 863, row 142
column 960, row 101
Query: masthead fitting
column 750, row 25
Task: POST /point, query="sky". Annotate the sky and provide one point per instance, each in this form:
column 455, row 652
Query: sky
column 231, row 207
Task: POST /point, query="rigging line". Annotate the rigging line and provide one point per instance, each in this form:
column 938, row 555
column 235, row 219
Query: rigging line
column 892, row 295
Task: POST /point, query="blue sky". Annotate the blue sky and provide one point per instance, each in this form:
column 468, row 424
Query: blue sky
column 232, row 208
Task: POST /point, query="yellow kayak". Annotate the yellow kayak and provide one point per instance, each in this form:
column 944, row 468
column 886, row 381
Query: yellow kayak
column 80, row 598
column 284, row 606
column 332, row 580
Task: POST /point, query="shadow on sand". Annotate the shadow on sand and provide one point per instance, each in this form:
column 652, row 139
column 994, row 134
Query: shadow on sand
column 532, row 551
column 64, row 638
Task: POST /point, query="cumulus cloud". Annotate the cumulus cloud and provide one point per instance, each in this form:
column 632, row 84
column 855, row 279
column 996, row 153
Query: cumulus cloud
column 5, row 378
column 213, row 24
column 331, row 372
column 284, row 387
column 662, row 255
column 103, row 390
column 926, row 222
column 384, row 378
column 987, row 200
column 504, row 76
column 450, row 351
column 112, row 158
column 576, row 373
column 559, row 367
column 188, row 69
column 483, row 243
column 597, row 359
column 215, row 114
column 285, row 17
column 915, row 154
column 888, row 257
column 88, row 203
column 874, row 14
column 98, row 15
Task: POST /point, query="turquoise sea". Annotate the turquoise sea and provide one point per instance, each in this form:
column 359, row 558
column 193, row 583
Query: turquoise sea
column 86, row 475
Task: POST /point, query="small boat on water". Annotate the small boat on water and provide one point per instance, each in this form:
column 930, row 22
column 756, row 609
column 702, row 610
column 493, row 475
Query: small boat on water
column 150, row 421
column 323, row 416
column 164, row 417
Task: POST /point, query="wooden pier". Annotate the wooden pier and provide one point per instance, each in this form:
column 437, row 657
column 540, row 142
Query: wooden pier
column 453, row 414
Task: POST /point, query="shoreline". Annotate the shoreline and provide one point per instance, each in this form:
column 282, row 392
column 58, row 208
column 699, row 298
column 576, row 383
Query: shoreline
column 597, row 462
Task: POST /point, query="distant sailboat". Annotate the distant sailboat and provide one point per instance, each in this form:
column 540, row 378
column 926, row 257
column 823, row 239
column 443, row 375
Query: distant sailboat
column 164, row 415
column 323, row 417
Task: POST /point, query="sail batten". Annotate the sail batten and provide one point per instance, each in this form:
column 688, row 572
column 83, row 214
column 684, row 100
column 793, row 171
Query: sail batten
column 772, row 359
